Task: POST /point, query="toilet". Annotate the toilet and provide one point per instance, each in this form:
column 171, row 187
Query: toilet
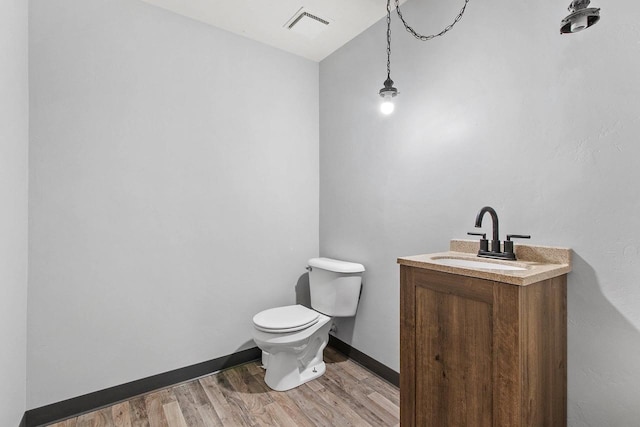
column 292, row 338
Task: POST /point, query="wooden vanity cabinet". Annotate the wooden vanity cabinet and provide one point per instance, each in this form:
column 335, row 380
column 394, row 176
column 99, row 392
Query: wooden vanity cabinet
column 475, row 352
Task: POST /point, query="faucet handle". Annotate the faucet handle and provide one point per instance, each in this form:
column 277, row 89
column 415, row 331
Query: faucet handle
column 484, row 243
column 518, row 236
column 508, row 244
column 484, row 235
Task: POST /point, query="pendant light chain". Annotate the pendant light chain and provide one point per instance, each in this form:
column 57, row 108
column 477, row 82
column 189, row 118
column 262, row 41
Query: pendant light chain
column 416, row 34
column 388, row 92
column 388, row 39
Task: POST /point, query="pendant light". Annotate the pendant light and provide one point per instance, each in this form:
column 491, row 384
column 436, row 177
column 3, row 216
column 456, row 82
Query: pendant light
column 388, row 92
column 580, row 17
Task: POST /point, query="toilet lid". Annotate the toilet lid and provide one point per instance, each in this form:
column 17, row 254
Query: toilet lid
column 289, row 318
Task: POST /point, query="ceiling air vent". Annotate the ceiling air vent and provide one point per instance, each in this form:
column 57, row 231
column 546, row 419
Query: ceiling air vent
column 307, row 24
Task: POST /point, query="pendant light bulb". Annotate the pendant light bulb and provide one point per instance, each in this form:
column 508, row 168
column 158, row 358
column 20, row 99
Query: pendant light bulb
column 388, row 92
column 387, row 107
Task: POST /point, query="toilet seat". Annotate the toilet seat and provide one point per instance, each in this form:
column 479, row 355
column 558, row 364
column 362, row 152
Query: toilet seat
column 285, row 319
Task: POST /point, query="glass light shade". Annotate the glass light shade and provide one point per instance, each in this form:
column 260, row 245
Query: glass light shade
column 387, row 106
column 579, row 24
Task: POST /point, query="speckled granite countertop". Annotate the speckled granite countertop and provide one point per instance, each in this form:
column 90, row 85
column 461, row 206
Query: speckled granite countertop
column 539, row 263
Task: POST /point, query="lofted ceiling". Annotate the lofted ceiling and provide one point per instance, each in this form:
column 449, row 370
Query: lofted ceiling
column 325, row 27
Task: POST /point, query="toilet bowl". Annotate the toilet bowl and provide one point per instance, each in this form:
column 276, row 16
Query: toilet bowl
column 293, row 357
column 292, row 338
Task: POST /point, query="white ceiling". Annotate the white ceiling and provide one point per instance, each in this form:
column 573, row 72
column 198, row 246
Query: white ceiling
column 265, row 20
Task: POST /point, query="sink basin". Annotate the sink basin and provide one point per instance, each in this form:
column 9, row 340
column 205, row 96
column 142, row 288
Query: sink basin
column 477, row 264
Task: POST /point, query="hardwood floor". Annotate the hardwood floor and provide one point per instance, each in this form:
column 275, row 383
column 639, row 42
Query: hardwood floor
column 346, row 395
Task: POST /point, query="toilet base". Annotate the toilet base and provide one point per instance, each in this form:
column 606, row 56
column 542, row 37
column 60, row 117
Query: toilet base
column 283, row 372
column 289, row 367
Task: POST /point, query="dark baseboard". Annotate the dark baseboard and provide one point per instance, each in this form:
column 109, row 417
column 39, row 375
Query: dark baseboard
column 368, row 362
column 89, row 402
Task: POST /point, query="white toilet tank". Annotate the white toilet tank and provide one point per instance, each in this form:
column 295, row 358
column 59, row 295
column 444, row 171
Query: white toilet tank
column 335, row 286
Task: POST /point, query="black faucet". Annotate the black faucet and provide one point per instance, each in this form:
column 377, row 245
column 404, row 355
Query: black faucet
column 495, row 251
column 495, row 242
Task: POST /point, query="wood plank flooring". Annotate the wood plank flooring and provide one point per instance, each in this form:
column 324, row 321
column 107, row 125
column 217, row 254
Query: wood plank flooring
column 346, row 395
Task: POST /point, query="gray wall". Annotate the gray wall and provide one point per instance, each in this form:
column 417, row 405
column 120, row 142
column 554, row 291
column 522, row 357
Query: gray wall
column 502, row 111
column 174, row 171
column 14, row 134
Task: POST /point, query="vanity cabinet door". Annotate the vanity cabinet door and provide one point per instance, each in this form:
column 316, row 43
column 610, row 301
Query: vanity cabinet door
column 479, row 353
column 447, row 350
column 453, row 359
